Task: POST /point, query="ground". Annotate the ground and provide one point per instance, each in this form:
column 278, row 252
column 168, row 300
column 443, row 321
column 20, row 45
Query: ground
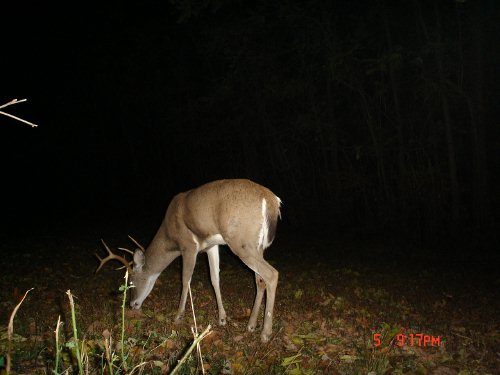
column 343, row 307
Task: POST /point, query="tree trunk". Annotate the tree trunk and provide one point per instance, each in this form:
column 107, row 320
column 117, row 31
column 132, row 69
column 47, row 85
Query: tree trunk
column 445, row 107
column 480, row 193
column 397, row 109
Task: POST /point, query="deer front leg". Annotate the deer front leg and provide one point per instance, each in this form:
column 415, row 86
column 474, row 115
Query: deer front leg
column 213, row 262
column 188, row 263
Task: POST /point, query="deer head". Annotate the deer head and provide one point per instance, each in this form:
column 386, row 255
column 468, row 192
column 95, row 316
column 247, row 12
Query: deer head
column 140, row 281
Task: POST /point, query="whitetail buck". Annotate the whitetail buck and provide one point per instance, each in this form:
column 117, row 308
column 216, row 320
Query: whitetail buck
column 237, row 213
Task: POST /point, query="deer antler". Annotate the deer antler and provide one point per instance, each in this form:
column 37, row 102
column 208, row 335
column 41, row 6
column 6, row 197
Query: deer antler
column 127, row 250
column 137, row 243
column 112, row 256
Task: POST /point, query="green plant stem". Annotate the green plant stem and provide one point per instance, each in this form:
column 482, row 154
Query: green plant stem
column 75, row 332
column 107, row 343
column 125, row 288
column 58, row 348
column 102, row 365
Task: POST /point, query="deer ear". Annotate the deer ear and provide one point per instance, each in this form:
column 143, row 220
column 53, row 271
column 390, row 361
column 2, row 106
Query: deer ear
column 139, row 259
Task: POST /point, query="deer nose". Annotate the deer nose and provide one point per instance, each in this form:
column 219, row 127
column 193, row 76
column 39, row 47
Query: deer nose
column 135, row 305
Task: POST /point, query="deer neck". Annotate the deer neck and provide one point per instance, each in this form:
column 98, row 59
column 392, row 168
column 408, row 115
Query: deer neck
column 160, row 252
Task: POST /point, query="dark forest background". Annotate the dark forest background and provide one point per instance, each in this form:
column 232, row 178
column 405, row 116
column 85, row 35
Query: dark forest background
column 374, row 117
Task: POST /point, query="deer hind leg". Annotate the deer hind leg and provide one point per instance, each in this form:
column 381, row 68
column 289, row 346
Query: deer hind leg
column 213, row 262
column 269, row 275
column 261, row 287
column 188, row 263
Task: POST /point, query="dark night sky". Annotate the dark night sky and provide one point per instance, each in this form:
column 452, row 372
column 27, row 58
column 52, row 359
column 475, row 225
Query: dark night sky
column 134, row 106
column 72, row 64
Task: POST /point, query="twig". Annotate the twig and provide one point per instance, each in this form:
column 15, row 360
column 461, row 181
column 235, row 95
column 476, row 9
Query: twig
column 10, row 330
column 195, row 331
column 136, row 367
column 462, row 336
column 15, row 101
column 204, row 334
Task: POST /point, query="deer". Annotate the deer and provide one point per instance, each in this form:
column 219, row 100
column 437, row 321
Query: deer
column 238, row 213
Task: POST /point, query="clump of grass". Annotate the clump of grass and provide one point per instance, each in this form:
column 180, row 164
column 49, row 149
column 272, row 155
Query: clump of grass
column 111, row 357
column 110, row 362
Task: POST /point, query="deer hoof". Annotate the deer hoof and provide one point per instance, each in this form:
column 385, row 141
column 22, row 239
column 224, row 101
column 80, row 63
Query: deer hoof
column 264, row 337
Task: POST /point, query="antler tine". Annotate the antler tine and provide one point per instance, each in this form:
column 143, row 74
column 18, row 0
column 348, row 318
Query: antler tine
column 137, row 243
column 127, row 250
column 112, row 256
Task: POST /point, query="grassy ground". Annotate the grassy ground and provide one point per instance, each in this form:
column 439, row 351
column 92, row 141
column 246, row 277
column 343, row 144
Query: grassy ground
column 336, row 299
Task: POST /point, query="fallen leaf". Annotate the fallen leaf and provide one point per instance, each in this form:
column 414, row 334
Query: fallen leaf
column 169, row 344
column 132, row 313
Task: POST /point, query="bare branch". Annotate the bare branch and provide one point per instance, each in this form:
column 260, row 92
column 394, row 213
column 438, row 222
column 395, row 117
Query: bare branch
column 18, row 119
column 15, row 101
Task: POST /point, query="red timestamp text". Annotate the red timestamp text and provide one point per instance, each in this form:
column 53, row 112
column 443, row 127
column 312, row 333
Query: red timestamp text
column 411, row 339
